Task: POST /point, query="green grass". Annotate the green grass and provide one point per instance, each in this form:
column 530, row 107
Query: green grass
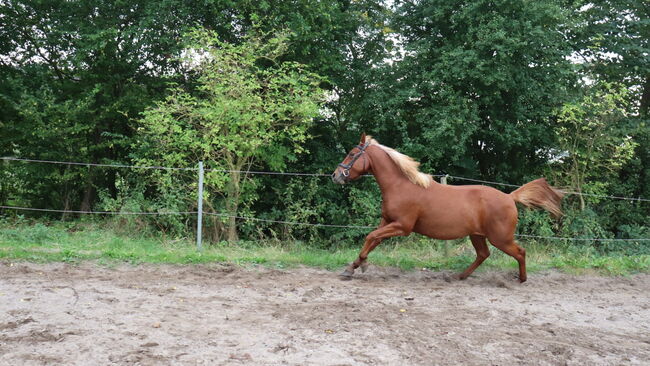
column 74, row 243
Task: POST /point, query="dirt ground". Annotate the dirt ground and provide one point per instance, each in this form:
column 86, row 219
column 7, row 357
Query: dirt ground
column 223, row 314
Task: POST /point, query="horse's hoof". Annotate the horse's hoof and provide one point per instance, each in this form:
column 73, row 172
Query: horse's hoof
column 446, row 277
column 346, row 275
column 520, row 279
column 364, row 267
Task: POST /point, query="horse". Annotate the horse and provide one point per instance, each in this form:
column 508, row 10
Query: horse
column 413, row 201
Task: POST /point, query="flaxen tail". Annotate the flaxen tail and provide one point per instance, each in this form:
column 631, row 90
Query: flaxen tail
column 539, row 194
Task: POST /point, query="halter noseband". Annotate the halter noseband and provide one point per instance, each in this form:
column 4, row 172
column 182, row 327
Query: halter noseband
column 348, row 166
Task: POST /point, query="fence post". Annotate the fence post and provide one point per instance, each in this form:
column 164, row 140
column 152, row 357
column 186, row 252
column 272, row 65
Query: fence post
column 445, row 245
column 199, row 222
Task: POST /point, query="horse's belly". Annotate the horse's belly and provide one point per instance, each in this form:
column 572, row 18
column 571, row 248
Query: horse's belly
column 447, row 228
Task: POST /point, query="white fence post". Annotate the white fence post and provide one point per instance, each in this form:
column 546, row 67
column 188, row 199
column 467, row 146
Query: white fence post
column 199, row 222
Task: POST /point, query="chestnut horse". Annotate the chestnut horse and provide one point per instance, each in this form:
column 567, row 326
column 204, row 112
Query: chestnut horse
column 413, row 202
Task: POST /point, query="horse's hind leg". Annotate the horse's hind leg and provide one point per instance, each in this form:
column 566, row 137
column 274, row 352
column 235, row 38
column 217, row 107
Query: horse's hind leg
column 482, row 252
column 511, row 248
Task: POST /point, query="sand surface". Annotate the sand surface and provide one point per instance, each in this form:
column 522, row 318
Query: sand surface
column 86, row 314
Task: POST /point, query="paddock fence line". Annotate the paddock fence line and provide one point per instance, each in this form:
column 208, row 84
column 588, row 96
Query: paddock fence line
column 254, row 172
column 565, row 192
column 201, row 171
column 153, row 213
column 288, row 222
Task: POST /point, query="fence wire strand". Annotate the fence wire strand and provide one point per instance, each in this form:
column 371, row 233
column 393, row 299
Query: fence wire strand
column 99, row 212
column 287, row 222
column 93, row 164
column 640, row 199
column 565, row 192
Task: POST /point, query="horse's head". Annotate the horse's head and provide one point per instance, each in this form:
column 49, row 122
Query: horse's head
column 355, row 164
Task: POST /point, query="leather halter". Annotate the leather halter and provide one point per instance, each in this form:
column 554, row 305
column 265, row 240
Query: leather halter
column 348, row 166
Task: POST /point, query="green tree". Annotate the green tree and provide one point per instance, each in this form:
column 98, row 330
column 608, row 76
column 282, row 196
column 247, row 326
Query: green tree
column 478, row 83
column 74, row 76
column 345, row 42
column 245, row 108
column 612, row 40
column 593, row 134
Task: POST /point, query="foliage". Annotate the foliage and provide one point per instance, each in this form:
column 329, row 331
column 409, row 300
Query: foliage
column 595, row 137
column 478, row 82
column 247, row 108
column 611, row 38
column 73, row 77
column 480, row 89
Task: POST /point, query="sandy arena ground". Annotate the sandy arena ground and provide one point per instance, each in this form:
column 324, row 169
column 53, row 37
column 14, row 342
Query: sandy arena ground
column 59, row 314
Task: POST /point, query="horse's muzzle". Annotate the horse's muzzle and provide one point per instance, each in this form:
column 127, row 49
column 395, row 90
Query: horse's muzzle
column 338, row 178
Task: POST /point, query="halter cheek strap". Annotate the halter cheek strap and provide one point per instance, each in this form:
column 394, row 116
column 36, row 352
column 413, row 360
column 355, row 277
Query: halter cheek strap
column 348, row 166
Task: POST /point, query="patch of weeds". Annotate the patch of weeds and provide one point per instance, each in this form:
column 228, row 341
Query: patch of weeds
column 252, row 260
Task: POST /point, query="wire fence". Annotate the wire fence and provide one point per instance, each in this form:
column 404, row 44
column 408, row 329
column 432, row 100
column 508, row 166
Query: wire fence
column 565, row 192
column 284, row 222
column 94, row 164
column 99, row 212
column 255, row 172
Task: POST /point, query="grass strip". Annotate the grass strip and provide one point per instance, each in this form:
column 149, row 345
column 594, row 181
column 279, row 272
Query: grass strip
column 58, row 243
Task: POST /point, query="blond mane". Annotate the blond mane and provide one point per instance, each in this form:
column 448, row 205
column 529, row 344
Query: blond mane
column 406, row 164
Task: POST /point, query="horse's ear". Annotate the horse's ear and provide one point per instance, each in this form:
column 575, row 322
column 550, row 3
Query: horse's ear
column 363, row 138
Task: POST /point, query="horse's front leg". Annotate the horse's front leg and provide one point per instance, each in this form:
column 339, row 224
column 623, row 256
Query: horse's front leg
column 364, row 263
column 372, row 240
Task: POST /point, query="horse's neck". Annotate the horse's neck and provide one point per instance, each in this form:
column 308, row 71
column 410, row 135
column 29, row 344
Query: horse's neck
column 388, row 175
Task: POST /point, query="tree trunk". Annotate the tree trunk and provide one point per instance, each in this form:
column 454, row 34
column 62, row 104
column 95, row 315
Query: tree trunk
column 66, row 196
column 582, row 199
column 88, row 195
column 232, row 196
column 576, row 181
column 66, row 205
column 644, row 108
column 232, row 205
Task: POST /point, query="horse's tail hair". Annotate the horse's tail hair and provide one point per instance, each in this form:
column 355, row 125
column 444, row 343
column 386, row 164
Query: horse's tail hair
column 539, row 193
